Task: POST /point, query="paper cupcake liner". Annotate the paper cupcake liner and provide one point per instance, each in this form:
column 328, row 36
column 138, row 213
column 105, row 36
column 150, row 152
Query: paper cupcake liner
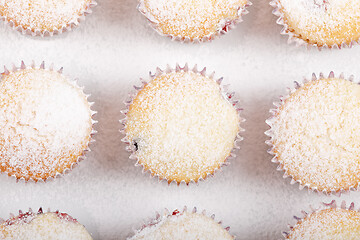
column 312, row 210
column 296, row 38
column 26, row 217
column 166, row 213
column 269, row 133
column 44, row 33
column 227, row 95
column 224, row 26
column 91, row 139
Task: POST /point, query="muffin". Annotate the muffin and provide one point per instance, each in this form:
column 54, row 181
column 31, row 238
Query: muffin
column 183, row 225
column 330, row 23
column 181, row 125
column 43, row 226
column 329, row 222
column 45, row 123
column 316, row 134
column 193, row 20
column 44, row 17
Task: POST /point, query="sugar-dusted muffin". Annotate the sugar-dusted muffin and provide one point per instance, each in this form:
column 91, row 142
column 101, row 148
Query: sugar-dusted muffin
column 181, row 126
column 320, row 22
column 195, row 20
column 327, row 224
column 183, row 225
column 43, row 226
column 316, row 134
column 39, row 17
column 45, row 123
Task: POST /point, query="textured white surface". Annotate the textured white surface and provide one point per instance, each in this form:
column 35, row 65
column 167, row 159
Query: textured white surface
column 48, row 226
column 191, row 226
column 183, row 125
column 109, row 52
column 193, row 19
column 44, row 14
column 332, row 223
column 315, row 134
column 323, row 21
column 45, row 120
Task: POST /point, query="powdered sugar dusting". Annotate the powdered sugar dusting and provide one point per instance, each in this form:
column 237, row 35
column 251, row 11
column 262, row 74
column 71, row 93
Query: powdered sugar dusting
column 47, row 226
column 45, row 123
column 323, row 22
column 190, row 226
column 332, row 223
column 182, row 126
column 317, row 134
column 193, row 19
column 43, row 15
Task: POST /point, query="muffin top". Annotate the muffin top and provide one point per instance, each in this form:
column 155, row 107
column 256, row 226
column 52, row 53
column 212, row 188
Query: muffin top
column 190, row 226
column 323, row 22
column 192, row 18
column 316, row 134
column 45, row 226
column 181, row 125
column 332, row 223
column 45, row 123
column 43, row 14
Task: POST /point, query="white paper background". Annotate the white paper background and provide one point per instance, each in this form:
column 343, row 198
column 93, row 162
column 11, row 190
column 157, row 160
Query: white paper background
column 109, row 52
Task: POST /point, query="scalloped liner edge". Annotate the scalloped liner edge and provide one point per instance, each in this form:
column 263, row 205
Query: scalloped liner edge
column 223, row 28
column 92, row 112
column 269, row 133
column 159, row 217
column 322, row 206
column 294, row 38
column 45, row 33
column 61, row 215
column 224, row 90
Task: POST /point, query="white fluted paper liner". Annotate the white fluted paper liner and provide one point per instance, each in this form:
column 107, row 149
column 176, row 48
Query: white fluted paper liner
column 294, row 38
column 44, row 33
column 161, row 216
column 227, row 95
column 75, row 84
column 323, row 206
column 28, row 216
column 270, row 134
column 223, row 27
